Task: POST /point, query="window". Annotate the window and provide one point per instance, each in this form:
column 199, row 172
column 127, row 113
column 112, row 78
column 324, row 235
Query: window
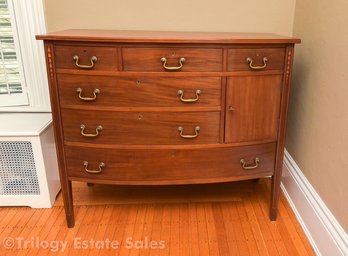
column 23, row 79
column 12, row 83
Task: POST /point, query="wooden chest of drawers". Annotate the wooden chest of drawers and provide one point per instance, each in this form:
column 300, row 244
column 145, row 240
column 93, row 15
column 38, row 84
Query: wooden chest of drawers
column 147, row 108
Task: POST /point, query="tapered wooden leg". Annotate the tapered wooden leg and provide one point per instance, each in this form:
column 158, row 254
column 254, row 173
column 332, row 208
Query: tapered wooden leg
column 275, row 196
column 275, row 186
column 68, row 204
column 278, row 166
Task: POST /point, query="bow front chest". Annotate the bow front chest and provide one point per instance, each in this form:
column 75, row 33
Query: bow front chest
column 156, row 108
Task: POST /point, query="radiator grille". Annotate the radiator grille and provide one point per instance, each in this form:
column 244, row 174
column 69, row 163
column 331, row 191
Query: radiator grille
column 17, row 169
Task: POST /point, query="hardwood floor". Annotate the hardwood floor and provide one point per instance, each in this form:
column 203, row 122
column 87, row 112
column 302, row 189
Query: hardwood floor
column 216, row 219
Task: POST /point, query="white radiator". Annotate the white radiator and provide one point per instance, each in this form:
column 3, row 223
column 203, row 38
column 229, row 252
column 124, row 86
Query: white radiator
column 28, row 163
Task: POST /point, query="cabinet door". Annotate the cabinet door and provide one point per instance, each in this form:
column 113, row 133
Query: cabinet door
column 252, row 108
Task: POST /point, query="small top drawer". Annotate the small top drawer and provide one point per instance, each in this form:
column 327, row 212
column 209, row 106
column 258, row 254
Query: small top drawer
column 86, row 57
column 254, row 59
column 172, row 59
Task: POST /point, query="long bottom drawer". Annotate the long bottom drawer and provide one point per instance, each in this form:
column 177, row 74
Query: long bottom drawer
column 169, row 166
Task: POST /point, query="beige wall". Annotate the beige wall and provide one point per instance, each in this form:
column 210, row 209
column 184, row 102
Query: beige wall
column 273, row 16
column 318, row 118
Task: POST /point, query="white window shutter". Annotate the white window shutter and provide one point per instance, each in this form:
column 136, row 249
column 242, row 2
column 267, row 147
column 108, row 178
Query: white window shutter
column 12, row 81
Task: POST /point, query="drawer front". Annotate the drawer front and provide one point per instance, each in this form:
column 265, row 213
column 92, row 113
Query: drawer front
column 141, row 128
column 190, row 165
column 106, row 57
column 256, row 59
column 139, row 91
column 151, row 59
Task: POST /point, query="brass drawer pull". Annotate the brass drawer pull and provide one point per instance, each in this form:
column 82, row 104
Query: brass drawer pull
column 181, row 62
column 95, row 92
column 181, row 94
column 101, row 165
column 93, row 60
column 249, row 167
column 82, row 127
column 250, row 62
column 181, row 131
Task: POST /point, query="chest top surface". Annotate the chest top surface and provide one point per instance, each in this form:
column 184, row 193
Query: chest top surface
column 128, row 36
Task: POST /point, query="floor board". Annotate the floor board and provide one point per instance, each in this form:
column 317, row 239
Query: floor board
column 216, row 219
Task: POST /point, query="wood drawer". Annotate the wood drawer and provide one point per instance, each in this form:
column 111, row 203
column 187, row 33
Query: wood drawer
column 149, row 59
column 141, row 128
column 237, row 59
column 172, row 166
column 106, row 57
column 139, row 91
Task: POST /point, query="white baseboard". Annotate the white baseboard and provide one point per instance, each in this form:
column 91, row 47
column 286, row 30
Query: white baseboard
column 325, row 234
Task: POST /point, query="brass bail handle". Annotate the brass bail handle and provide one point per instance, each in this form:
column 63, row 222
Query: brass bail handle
column 101, row 166
column 95, row 93
column 250, row 61
column 181, row 63
column 182, row 135
column 249, row 167
column 93, row 60
column 97, row 130
column 181, row 94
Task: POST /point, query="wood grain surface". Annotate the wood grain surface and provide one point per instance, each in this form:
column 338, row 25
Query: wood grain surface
column 256, row 108
column 106, row 57
column 174, row 166
column 237, row 58
column 128, row 36
column 149, row 59
column 140, row 91
column 141, row 128
column 215, row 219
